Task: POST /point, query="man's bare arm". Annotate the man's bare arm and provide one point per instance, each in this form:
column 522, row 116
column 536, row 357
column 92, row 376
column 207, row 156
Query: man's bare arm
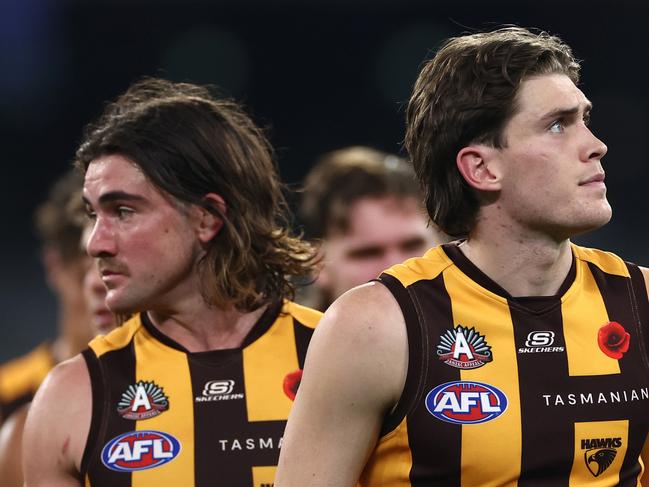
column 57, row 427
column 11, row 434
column 354, row 374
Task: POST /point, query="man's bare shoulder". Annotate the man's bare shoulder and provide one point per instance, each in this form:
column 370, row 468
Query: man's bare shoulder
column 68, row 380
column 368, row 307
column 57, row 426
column 354, row 374
column 365, row 329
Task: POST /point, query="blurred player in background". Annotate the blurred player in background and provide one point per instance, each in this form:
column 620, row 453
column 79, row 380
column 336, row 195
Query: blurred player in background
column 65, row 265
column 365, row 207
column 99, row 318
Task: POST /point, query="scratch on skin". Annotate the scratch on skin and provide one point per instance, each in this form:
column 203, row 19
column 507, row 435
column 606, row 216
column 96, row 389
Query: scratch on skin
column 66, row 446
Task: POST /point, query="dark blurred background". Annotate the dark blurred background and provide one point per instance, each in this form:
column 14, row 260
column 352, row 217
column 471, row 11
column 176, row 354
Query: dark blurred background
column 319, row 74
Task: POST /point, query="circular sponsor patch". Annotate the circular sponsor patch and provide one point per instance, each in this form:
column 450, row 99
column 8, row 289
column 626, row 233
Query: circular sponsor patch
column 139, row 450
column 464, row 402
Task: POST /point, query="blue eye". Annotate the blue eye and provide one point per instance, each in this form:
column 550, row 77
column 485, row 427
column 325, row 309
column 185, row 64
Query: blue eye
column 557, row 127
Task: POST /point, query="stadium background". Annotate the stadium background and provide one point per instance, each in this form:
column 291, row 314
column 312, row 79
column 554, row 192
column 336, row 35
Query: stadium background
column 320, row 74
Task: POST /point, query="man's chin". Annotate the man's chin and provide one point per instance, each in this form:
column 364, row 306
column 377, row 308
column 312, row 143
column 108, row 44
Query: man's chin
column 591, row 224
column 120, row 306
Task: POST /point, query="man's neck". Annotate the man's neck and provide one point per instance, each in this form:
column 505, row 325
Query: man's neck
column 204, row 328
column 522, row 263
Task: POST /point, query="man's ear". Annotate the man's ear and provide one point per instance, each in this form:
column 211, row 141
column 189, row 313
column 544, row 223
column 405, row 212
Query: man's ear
column 209, row 223
column 479, row 167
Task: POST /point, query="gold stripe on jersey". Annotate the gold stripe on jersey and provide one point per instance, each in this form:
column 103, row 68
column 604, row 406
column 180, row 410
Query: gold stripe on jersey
column 177, row 384
column 265, row 396
column 606, row 261
column 118, row 338
column 307, row 316
column 598, row 430
column 394, row 473
column 584, row 313
column 486, row 442
column 427, row 267
column 24, row 374
column 263, row 476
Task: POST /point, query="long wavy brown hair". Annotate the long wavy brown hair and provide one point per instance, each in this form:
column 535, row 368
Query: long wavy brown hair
column 190, row 143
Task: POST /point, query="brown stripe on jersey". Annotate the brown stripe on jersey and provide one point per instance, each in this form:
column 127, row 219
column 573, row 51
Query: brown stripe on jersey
column 547, row 452
column 94, row 371
column 226, row 443
column 302, row 338
column 433, row 305
column 623, row 306
column 418, row 345
column 117, row 373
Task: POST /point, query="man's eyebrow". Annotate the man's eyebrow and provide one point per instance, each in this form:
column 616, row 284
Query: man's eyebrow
column 115, row 196
column 566, row 112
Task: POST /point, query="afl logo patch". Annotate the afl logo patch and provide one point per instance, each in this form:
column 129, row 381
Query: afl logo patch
column 463, row 402
column 139, row 450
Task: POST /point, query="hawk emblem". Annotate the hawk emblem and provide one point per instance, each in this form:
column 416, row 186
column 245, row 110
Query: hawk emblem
column 598, row 461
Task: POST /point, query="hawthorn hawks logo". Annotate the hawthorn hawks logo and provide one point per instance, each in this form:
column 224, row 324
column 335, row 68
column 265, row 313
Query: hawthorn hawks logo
column 464, row 348
column 599, row 453
column 143, row 400
column 291, row 383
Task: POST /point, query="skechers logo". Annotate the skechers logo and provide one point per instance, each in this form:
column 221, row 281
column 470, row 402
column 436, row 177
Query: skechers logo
column 139, row 450
column 463, row 402
column 540, row 342
column 599, row 453
column 218, row 390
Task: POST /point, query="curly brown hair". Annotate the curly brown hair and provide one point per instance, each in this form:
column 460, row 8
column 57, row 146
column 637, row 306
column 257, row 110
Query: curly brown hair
column 189, row 143
column 466, row 94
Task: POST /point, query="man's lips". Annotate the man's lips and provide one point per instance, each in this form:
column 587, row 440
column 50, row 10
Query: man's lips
column 106, row 271
column 597, row 178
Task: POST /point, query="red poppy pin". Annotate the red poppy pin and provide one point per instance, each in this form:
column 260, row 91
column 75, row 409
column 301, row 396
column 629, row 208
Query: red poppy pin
column 291, row 383
column 613, row 340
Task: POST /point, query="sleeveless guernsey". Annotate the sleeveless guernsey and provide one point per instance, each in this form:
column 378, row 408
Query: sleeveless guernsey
column 537, row 391
column 163, row 416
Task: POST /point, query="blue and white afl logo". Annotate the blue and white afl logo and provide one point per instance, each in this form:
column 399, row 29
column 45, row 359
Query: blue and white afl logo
column 139, row 450
column 463, row 402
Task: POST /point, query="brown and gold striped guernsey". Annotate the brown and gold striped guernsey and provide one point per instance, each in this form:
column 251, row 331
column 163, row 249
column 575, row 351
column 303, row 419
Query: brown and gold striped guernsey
column 21, row 377
column 163, row 416
column 536, row 391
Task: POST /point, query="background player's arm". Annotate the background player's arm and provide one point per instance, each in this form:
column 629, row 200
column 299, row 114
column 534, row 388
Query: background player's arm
column 57, row 427
column 354, row 374
column 11, row 435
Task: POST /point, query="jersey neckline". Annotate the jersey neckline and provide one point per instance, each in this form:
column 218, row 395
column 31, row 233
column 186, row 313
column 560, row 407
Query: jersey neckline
column 265, row 321
column 536, row 303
